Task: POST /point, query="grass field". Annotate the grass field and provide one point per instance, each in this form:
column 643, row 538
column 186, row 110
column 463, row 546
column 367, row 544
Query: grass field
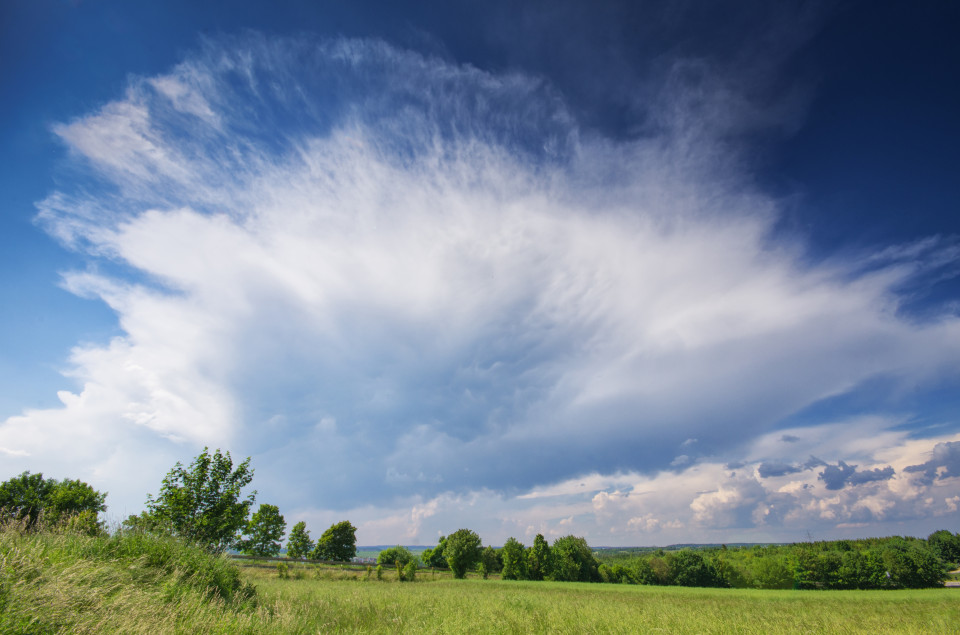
column 342, row 602
column 68, row 583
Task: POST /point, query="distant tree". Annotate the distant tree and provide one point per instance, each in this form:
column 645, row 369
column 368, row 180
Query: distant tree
column 393, row 555
column 29, row 496
column 913, row 564
column 946, row 544
column 265, row 531
column 202, row 503
column 540, row 561
column 514, row 560
column 299, row 544
column 338, row 543
column 490, row 559
column 462, row 551
column 434, row 557
column 573, row 560
column 690, row 568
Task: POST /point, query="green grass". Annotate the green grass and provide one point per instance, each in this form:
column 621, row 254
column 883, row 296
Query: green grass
column 443, row 605
column 68, row 583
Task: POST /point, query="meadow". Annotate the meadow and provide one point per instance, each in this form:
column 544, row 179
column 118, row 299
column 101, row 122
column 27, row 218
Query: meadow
column 333, row 600
column 66, row 582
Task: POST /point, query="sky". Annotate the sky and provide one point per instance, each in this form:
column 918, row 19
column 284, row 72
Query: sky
column 642, row 272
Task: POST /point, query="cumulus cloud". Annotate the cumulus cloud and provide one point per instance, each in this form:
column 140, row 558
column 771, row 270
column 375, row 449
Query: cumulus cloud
column 406, row 281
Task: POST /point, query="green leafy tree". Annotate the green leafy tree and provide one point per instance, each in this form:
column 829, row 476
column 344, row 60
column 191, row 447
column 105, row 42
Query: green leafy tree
column 573, row 560
column 265, row 531
column 540, row 564
column 462, row 551
column 202, row 503
column 338, row 543
column 394, row 555
column 514, row 556
column 434, row 557
column 690, row 568
column 490, row 560
column 28, row 496
column 947, row 545
column 299, row 544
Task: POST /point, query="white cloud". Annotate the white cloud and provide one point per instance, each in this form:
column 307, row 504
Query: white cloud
column 466, row 293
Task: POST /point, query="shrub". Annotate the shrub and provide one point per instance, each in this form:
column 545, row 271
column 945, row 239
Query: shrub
column 410, row 571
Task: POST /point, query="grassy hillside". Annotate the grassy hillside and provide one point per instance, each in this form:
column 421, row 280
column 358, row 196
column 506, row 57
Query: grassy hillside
column 54, row 582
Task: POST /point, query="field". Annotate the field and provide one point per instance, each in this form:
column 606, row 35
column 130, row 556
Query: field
column 54, row 582
column 342, row 602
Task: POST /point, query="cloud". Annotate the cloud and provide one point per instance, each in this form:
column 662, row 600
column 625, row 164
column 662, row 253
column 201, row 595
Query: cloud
column 397, row 281
column 776, row 469
column 944, row 463
column 837, row 476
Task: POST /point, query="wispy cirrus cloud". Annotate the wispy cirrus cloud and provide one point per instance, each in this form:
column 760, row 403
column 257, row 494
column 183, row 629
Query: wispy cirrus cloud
column 398, row 282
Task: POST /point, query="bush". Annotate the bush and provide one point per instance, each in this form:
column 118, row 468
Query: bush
column 394, row 555
column 410, row 571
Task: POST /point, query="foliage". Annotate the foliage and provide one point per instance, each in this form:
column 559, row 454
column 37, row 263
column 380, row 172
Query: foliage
column 514, row 556
column 573, row 560
column 265, row 531
column 947, row 545
column 202, row 503
column 283, row 570
column 338, row 543
column 29, row 496
column 462, row 551
column 491, row 560
column 392, row 555
column 299, row 545
column 691, row 568
column 434, row 557
column 539, row 566
column 410, row 571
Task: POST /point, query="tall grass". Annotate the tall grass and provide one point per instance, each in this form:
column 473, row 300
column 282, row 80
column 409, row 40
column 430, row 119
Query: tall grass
column 64, row 582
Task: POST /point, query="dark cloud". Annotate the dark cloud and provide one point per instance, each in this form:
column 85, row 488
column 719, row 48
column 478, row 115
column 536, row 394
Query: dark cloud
column 945, row 455
column 841, row 474
column 789, row 438
column 776, row 468
column 779, row 468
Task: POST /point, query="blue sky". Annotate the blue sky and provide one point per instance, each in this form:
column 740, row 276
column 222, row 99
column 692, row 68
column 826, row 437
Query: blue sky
column 643, row 272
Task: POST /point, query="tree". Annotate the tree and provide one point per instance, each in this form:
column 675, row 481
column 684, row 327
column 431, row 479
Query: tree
column 202, row 503
column 265, row 531
column 573, row 560
column 462, row 551
column 947, row 545
column 490, row 560
column 299, row 545
column 394, row 555
column 690, row 568
column 434, row 557
column 540, row 564
column 514, row 560
column 338, row 543
column 28, row 496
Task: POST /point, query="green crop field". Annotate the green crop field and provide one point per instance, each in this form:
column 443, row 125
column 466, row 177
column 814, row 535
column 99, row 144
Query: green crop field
column 344, row 602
